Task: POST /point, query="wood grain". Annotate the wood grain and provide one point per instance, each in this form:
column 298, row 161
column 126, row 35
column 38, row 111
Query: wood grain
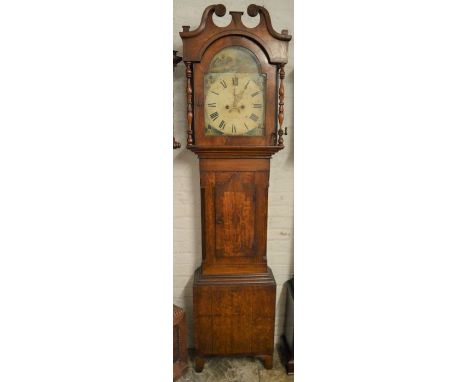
column 234, row 316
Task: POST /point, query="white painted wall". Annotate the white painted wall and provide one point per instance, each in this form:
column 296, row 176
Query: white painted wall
column 187, row 236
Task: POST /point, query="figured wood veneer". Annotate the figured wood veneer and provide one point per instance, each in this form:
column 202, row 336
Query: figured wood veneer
column 234, row 194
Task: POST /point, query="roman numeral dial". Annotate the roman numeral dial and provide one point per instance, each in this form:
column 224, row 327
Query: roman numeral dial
column 234, row 103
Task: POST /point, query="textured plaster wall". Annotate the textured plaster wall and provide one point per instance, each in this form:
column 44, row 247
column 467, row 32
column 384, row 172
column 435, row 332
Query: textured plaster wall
column 187, row 236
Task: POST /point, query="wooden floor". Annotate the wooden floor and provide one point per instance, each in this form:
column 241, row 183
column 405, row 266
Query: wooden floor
column 239, row 369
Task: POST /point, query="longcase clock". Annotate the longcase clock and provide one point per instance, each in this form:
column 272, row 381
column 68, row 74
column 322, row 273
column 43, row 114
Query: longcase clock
column 235, row 110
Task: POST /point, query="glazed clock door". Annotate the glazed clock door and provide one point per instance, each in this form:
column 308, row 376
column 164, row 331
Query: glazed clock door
column 234, row 94
column 234, row 81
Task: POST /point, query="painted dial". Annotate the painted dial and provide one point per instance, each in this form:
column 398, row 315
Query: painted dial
column 234, row 89
column 234, row 104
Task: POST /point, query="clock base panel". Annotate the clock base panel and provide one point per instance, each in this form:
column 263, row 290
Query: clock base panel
column 234, row 316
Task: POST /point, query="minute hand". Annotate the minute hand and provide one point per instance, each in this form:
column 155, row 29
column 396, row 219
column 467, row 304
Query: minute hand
column 237, row 97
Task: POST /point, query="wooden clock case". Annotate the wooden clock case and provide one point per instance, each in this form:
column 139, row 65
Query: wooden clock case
column 234, row 291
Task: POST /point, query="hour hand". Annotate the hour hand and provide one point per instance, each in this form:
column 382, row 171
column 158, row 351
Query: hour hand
column 236, row 98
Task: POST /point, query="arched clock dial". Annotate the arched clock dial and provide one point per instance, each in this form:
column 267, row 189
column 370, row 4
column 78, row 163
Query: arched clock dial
column 234, row 104
column 234, row 94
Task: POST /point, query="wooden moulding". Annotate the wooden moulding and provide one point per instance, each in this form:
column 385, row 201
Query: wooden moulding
column 251, row 278
column 235, row 151
column 197, row 41
column 257, row 164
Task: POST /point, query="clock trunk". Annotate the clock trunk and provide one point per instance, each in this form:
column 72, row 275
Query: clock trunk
column 234, row 197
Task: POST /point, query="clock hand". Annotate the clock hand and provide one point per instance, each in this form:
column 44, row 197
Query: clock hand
column 233, row 106
column 236, row 99
column 240, row 95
